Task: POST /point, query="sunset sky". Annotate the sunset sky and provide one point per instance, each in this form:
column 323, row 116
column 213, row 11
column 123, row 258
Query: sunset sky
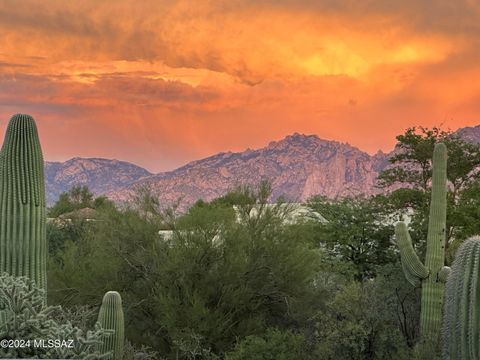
column 161, row 83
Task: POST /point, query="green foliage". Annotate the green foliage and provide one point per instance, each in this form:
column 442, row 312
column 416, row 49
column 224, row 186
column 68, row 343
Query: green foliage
column 26, row 317
column 61, row 231
column 462, row 303
column 113, row 252
column 59, row 234
column 78, row 197
column 110, row 317
column 416, row 147
column 396, row 304
column 373, row 319
column 428, row 273
column 410, row 175
column 22, row 202
column 217, row 281
column 273, row 345
column 245, row 195
column 211, row 217
column 356, row 232
column 191, row 346
column 468, row 214
column 250, row 276
column 214, row 286
column 413, row 204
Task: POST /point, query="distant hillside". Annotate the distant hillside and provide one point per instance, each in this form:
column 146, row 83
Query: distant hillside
column 298, row 166
column 470, row 134
column 100, row 175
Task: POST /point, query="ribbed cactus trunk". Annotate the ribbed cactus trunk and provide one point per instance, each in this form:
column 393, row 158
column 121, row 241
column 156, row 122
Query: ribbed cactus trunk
column 111, row 317
column 432, row 287
column 461, row 326
column 432, row 275
column 23, row 244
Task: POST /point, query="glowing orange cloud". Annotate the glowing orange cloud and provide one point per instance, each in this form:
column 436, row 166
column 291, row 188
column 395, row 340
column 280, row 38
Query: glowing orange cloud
column 163, row 83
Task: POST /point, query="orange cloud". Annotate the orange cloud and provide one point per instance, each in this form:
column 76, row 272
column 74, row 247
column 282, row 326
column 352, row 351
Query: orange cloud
column 167, row 82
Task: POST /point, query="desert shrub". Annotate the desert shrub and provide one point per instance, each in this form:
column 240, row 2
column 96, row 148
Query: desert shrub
column 25, row 317
column 273, row 345
column 58, row 234
column 373, row 319
column 214, row 281
column 251, row 275
column 132, row 352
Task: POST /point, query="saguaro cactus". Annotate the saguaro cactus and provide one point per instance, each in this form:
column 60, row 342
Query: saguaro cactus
column 23, row 244
column 431, row 275
column 111, row 317
column 461, row 325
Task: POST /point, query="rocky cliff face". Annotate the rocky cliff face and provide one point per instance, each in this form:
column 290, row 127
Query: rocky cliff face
column 100, row 175
column 470, row 134
column 298, row 167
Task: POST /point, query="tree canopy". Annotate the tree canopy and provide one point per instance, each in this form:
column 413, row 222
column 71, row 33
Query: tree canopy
column 408, row 180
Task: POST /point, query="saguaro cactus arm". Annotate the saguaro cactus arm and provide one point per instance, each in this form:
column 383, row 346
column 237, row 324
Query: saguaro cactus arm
column 412, row 266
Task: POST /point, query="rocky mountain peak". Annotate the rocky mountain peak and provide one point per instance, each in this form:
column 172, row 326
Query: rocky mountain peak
column 298, row 166
column 296, row 141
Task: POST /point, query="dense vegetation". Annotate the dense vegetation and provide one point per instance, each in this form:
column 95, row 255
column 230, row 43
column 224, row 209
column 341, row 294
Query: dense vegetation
column 234, row 280
column 229, row 284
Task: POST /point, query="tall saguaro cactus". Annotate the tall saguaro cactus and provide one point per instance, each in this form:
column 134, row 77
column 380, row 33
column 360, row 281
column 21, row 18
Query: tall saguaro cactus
column 431, row 275
column 461, row 326
column 110, row 317
column 23, row 244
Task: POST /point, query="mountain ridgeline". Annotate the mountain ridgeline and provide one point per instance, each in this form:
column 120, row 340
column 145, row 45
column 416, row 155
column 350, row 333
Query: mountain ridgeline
column 298, row 167
column 100, row 175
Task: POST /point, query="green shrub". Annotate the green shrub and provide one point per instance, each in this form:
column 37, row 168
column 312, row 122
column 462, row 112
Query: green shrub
column 273, row 345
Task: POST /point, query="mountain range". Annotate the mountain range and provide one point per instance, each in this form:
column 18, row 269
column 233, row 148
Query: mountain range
column 298, row 167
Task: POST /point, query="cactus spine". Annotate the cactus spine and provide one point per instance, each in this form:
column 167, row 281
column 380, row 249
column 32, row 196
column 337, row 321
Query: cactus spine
column 111, row 317
column 432, row 274
column 23, row 244
column 461, row 325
